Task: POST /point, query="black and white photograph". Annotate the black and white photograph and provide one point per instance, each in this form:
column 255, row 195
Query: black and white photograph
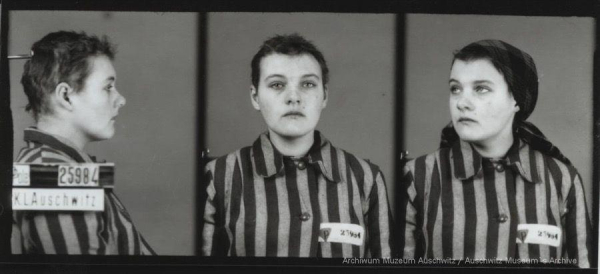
column 211, row 138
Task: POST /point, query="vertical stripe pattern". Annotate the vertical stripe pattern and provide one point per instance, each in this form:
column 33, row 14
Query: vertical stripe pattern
column 54, row 232
column 284, row 200
column 471, row 206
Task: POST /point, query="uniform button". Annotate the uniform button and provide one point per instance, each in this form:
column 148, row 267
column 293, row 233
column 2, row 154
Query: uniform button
column 304, row 216
column 502, row 218
column 301, row 165
column 499, row 167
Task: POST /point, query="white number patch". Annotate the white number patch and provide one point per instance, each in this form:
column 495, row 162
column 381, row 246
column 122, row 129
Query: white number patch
column 342, row 233
column 539, row 234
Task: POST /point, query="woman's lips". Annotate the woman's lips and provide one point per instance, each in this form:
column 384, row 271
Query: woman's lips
column 466, row 120
column 293, row 114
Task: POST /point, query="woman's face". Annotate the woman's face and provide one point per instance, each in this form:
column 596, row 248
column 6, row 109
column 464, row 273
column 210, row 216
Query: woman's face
column 290, row 94
column 481, row 106
column 97, row 104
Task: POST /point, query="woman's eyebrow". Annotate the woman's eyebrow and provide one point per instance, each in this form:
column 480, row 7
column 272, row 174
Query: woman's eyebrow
column 483, row 82
column 274, row 76
column 311, row 75
column 476, row 82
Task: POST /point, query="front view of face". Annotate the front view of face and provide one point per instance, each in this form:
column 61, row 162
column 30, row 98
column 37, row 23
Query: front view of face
column 481, row 106
column 290, row 94
column 97, row 105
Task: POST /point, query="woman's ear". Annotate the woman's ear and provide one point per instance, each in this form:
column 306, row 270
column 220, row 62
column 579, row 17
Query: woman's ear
column 62, row 96
column 254, row 97
column 325, row 96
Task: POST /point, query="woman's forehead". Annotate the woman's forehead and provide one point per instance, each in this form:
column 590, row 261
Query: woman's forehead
column 291, row 65
column 102, row 67
column 474, row 70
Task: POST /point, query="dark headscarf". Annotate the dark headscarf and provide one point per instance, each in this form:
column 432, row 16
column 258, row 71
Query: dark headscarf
column 520, row 74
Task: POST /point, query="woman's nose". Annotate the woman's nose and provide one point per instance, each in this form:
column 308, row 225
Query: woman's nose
column 121, row 101
column 292, row 96
column 464, row 102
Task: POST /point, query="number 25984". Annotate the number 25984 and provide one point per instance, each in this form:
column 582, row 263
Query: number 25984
column 78, row 176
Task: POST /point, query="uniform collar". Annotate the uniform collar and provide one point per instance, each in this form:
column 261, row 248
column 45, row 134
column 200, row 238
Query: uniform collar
column 32, row 134
column 467, row 162
column 268, row 161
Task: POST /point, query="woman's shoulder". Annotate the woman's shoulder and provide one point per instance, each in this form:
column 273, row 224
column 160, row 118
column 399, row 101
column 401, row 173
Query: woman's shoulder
column 356, row 163
column 40, row 153
column 556, row 165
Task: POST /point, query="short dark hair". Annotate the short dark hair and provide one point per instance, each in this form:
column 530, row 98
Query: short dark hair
column 61, row 56
column 290, row 44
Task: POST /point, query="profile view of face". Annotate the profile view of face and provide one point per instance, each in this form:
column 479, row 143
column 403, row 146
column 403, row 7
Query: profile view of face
column 97, row 105
column 481, row 106
column 290, row 94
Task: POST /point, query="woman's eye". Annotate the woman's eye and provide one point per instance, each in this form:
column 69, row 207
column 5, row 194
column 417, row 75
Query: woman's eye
column 276, row 85
column 109, row 88
column 482, row 89
column 454, row 89
column 309, row 85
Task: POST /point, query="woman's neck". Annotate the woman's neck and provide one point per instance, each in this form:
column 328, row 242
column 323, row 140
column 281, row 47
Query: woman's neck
column 496, row 148
column 296, row 147
column 59, row 128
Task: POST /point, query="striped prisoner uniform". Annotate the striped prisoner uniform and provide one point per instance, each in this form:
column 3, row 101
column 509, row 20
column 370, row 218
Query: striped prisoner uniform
column 261, row 203
column 72, row 232
column 460, row 205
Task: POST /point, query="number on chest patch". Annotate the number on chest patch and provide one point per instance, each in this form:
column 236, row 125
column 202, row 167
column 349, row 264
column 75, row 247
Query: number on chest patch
column 539, row 234
column 341, row 233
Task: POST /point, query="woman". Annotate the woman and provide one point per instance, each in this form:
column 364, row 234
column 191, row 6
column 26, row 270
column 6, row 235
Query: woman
column 496, row 189
column 70, row 83
column 292, row 193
